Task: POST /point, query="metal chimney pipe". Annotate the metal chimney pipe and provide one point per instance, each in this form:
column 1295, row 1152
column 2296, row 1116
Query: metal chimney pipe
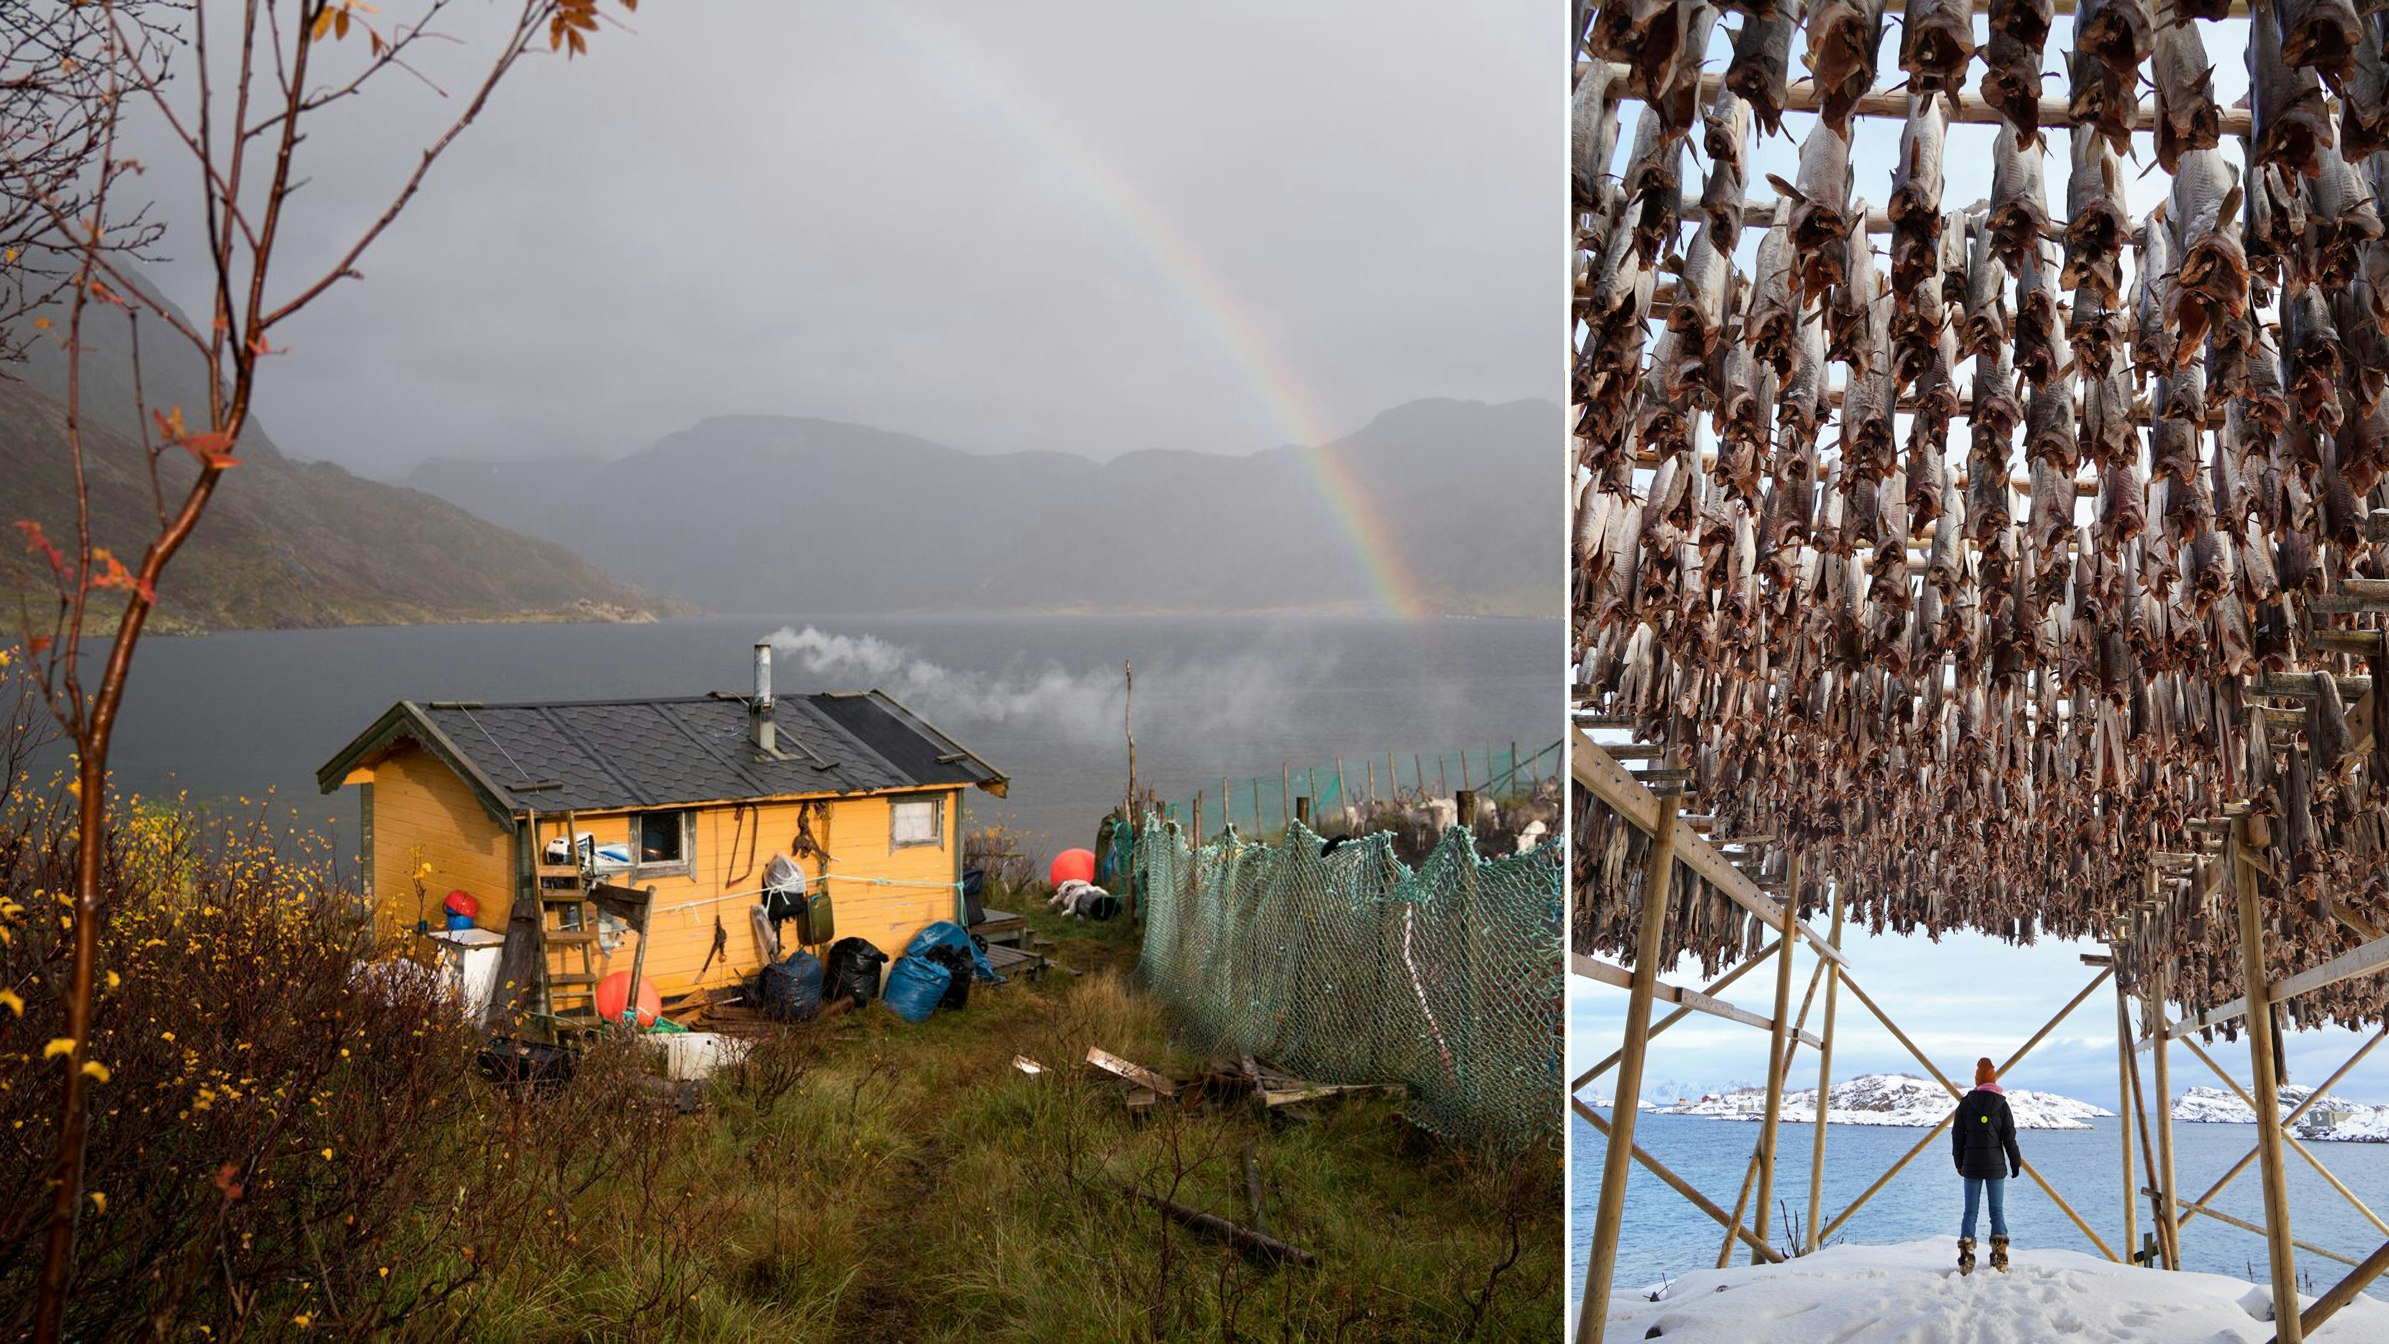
column 759, row 716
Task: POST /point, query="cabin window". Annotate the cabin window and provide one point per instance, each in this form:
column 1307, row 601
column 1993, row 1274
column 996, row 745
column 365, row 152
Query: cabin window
column 666, row 843
column 916, row 821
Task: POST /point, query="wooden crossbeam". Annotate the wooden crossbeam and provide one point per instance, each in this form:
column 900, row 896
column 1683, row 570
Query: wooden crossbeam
column 2220, row 1216
column 1801, row 96
column 2369, row 959
column 1678, row 1015
column 1594, row 969
column 2342, row 1292
column 1675, row 1182
column 1943, row 1079
column 2291, row 1141
column 2296, row 1111
column 1594, row 768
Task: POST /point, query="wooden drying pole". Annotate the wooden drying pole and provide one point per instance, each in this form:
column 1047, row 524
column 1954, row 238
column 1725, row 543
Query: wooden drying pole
column 2240, row 871
column 1593, row 1320
column 1777, row 1059
column 2125, row 1099
column 1816, row 1162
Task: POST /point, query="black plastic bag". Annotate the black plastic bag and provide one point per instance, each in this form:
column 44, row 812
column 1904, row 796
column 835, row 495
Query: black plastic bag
column 505, row 1059
column 854, row 970
column 959, row 962
column 974, row 911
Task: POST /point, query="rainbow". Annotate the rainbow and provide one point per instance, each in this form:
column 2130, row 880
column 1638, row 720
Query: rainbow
column 1371, row 542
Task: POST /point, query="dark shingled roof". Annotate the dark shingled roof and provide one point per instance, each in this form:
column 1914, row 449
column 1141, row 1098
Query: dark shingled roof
column 594, row 755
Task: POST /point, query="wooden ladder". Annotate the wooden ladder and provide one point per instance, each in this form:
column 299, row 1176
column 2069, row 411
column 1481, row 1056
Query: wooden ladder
column 567, row 925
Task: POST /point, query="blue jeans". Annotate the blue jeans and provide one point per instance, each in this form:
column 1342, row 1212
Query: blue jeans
column 1974, row 1194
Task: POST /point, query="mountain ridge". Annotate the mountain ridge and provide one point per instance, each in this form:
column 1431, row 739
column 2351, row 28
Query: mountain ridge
column 787, row 513
column 284, row 542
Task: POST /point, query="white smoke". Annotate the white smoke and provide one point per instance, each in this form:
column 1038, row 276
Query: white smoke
column 1088, row 707
column 1085, row 706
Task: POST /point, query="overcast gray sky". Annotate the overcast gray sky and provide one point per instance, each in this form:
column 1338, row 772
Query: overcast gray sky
column 1083, row 226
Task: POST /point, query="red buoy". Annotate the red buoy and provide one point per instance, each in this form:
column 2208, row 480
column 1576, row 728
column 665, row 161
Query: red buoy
column 1072, row 865
column 613, row 997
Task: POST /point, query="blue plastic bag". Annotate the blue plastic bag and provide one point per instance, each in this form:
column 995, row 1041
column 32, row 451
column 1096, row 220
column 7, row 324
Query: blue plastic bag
column 791, row 987
column 915, row 986
column 947, row 933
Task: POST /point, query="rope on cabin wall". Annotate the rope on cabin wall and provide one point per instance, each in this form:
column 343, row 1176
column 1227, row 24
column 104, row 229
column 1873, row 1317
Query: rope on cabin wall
column 955, row 887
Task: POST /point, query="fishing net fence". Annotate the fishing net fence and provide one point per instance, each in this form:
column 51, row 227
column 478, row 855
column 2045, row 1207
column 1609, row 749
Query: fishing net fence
column 1342, row 964
column 1347, row 793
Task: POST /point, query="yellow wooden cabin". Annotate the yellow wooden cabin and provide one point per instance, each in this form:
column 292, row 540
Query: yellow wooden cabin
column 691, row 797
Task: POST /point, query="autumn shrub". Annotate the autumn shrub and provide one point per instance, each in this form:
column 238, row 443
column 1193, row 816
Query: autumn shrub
column 286, row 1132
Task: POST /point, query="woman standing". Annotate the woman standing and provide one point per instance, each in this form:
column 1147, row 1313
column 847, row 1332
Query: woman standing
column 1983, row 1143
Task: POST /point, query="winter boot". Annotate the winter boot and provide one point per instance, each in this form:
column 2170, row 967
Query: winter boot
column 1966, row 1256
column 1999, row 1254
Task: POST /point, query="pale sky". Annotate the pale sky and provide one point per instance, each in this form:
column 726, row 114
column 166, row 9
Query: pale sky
column 1051, row 224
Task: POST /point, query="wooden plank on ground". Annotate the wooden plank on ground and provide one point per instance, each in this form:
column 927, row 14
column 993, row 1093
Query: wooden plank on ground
column 1135, row 1073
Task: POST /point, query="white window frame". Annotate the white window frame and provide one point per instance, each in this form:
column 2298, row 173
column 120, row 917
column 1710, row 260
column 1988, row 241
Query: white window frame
column 936, row 802
column 684, row 866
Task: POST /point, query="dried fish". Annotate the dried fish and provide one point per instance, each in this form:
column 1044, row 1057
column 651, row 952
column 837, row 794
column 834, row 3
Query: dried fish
column 2096, row 226
column 2313, row 360
column 2211, row 282
column 1654, row 184
column 1773, row 323
column 1761, row 68
column 2292, row 127
column 2187, row 117
column 2019, row 215
column 2011, row 81
column 1915, row 206
column 2364, row 96
column 2340, row 220
column 1818, row 211
column 1936, row 43
column 2321, row 35
column 1727, row 138
column 2037, row 333
column 1844, row 37
column 1987, row 326
column 2152, row 335
column 1594, row 132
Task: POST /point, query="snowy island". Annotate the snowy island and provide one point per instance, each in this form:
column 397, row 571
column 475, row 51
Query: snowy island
column 2332, row 1119
column 1897, row 1099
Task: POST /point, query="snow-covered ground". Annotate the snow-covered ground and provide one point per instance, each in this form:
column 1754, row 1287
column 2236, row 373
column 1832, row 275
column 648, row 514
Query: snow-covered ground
column 1912, row 1294
column 1890, row 1099
column 2333, row 1119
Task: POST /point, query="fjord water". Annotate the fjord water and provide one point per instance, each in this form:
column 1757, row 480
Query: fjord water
column 233, row 715
column 1664, row 1236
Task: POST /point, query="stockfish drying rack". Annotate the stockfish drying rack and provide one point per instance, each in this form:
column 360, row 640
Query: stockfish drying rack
column 2080, row 641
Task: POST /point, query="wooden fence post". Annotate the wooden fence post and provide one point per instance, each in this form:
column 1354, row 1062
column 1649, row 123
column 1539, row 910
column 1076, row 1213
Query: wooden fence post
column 1618, row 1156
column 2242, row 872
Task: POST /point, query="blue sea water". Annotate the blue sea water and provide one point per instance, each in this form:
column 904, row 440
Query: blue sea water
column 231, row 715
column 1664, row 1236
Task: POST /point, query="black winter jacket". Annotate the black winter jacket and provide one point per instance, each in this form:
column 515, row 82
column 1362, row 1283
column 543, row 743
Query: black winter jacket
column 1984, row 1133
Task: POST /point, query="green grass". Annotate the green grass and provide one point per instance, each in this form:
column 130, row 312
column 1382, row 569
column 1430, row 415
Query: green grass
column 912, row 1185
